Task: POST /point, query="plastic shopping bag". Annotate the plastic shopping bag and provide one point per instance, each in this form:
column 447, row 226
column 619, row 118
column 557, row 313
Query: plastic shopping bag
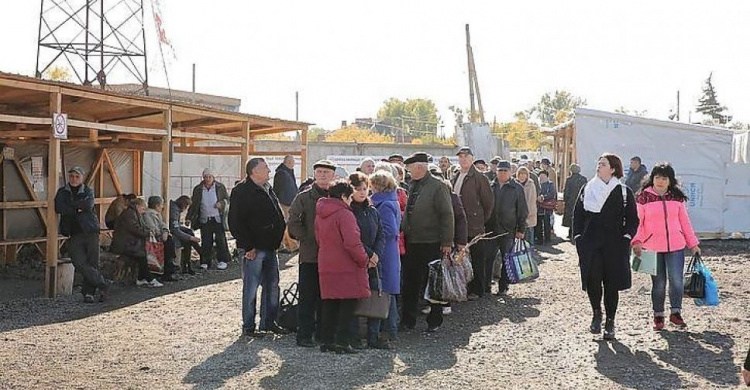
column 645, row 263
column 520, row 264
column 433, row 292
column 711, row 295
column 155, row 256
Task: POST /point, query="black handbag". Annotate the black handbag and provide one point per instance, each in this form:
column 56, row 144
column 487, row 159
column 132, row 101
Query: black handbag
column 288, row 308
column 694, row 282
column 377, row 305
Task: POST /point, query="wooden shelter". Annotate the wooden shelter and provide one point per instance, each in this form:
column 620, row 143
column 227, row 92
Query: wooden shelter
column 105, row 123
column 564, row 150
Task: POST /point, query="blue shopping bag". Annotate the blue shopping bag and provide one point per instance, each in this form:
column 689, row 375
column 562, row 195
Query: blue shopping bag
column 711, row 297
column 520, row 264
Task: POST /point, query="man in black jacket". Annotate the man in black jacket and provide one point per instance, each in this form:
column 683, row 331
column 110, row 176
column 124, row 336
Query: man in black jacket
column 510, row 213
column 257, row 223
column 285, row 187
column 75, row 204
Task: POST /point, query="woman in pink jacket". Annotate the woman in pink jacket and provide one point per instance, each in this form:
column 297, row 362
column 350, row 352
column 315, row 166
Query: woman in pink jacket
column 665, row 229
column 342, row 266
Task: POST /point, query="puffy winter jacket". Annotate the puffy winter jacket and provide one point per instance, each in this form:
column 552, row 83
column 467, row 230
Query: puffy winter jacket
column 664, row 223
column 342, row 260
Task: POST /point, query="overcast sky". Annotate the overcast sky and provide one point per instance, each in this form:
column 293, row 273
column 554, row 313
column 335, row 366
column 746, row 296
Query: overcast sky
column 347, row 57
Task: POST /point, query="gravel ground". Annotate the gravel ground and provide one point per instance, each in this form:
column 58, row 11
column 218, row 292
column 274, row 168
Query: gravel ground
column 187, row 336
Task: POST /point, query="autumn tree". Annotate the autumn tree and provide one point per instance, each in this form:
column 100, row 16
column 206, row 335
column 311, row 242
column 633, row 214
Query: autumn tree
column 353, row 133
column 57, row 73
column 708, row 104
column 520, row 134
column 555, row 109
column 413, row 116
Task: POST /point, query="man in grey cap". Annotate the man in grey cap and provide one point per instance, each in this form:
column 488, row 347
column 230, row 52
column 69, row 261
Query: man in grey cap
column 476, row 196
column 75, row 204
column 207, row 213
column 428, row 227
column 573, row 186
column 510, row 214
column 302, row 227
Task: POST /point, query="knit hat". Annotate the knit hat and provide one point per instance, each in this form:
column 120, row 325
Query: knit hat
column 208, row 172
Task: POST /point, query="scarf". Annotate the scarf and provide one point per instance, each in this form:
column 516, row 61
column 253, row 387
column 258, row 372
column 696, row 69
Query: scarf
column 597, row 192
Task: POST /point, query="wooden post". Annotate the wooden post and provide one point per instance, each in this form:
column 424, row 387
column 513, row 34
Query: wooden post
column 53, row 183
column 165, row 171
column 303, row 157
column 245, row 149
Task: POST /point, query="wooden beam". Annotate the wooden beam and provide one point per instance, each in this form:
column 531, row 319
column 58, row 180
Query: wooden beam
column 112, row 173
column 34, row 86
column 53, row 183
column 106, row 97
column 275, row 130
column 166, row 143
column 30, row 189
column 25, row 133
column 154, row 146
column 28, row 204
column 96, row 168
column 137, row 172
column 29, row 120
column 113, row 128
column 303, row 154
column 128, row 114
column 237, row 117
column 208, row 137
column 202, row 122
column 245, row 152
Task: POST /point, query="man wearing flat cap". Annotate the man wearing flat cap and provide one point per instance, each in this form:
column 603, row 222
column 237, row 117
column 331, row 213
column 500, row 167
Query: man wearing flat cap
column 207, row 213
column 510, row 214
column 476, row 196
column 428, row 227
column 301, row 226
column 75, row 204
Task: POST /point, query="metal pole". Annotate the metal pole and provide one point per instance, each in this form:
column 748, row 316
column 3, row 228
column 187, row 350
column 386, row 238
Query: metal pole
column 86, row 52
column 471, row 76
column 39, row 40
column 296, row 105
column 103, row 79
column 678, row 105
column 145, row 57
column 193, row 80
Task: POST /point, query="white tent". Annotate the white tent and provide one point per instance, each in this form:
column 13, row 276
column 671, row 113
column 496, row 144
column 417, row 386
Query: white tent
column 718, row 188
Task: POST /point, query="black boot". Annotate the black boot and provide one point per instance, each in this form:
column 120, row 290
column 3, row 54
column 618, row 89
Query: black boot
column 596, row 322
column 609, row 329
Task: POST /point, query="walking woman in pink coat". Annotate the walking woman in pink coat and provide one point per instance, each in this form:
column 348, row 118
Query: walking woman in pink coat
column 342, row 266
column 665, row 228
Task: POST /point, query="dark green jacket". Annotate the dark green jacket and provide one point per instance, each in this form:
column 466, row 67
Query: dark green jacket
column 194, row 212
column 429, row 213
column 301, row 222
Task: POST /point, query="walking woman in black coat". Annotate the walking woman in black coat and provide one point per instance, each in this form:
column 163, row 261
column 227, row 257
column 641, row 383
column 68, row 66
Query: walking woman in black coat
column 605, row 220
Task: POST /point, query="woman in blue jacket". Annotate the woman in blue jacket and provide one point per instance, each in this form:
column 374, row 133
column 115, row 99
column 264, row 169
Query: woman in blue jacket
column 385, row 199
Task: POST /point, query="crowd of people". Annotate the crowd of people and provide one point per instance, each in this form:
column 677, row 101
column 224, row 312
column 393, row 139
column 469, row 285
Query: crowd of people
column 376, row 230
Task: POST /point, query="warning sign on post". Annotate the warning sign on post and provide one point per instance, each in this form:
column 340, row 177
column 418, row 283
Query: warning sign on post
column 60, row 125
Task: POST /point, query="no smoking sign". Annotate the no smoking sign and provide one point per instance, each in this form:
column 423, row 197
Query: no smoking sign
column 60, row 126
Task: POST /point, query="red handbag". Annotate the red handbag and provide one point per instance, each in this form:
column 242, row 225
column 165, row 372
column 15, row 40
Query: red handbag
column 155, row 256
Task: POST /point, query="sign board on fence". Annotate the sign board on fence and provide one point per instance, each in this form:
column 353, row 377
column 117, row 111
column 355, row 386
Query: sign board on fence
column 60, row 125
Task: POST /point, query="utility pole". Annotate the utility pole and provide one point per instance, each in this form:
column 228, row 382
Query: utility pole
column 296, row 105
column 194, row 99
column 472, row 109
column 678, row 105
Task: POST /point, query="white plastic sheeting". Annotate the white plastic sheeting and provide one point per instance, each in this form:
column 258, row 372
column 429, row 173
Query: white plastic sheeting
column 701, row 156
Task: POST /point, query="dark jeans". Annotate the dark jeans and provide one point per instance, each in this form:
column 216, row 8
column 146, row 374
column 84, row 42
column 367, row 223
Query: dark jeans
column 186, row 245
column 414, row 275
column 490, row 252
column 169, row 257
column 338, row 315
column 263, row 271
column 210, row 231
column 477, row 251
column 543, row 229
column 504, row 245
column 594, row 288
column 143, row 272
column 84, row 253
column 308, row 312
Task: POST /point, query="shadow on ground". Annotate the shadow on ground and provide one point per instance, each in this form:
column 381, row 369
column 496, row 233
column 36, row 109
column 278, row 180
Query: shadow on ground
column 707, row 354
column 416, row 352
column 633, row 369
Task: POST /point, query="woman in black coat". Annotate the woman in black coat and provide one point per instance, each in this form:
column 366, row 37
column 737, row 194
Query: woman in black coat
column 573, row 186
column 605, row 220
column 373, row 239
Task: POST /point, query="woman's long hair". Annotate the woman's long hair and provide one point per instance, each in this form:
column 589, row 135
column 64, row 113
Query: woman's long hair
column 666, row 170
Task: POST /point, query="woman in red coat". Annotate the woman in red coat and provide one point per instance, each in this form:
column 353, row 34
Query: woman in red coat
column 342, row 266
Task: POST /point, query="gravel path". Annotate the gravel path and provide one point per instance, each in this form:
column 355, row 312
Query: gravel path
column 186, row 336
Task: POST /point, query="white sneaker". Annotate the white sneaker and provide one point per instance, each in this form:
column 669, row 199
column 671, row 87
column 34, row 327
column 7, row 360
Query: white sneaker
column 221, row 265
column 142, row 282
column 447, row 310
column 155, row 283
column 427, row 310
column 204, row 266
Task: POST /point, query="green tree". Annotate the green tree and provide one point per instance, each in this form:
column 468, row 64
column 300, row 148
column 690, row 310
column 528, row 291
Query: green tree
column 414, row 116
column 708, row 104
column 555, row 109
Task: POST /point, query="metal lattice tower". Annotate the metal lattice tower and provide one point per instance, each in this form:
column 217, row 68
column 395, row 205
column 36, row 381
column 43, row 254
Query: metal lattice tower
column 94, row 39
